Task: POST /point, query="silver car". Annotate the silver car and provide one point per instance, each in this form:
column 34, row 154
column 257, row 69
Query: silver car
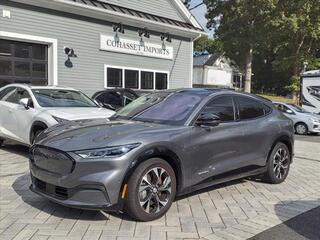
column 304, row 121
column 159, row 146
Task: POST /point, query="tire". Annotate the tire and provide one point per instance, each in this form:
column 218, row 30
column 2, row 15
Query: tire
column 278, row 165
column 35, row 133
column 148, row 197
column 1, row 142
column 301, row 129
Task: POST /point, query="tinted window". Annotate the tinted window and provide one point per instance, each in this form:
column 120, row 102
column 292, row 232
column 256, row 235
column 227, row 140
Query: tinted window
column 114, row 77
column 128, row 97
column 249, row 108
column 163, row 107
column 146, row 80
column 112, row 98
column 5, row 91
column 222, row 107
column 131, row 79
column 161, row 81
column 15, row 96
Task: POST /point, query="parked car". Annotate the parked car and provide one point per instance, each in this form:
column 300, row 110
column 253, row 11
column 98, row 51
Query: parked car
column 162, row 145
column 115, row 99
column 304, row 121
column 25, row 110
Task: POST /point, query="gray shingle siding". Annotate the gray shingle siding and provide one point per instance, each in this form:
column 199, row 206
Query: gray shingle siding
column 164, row 8
column 83, row 35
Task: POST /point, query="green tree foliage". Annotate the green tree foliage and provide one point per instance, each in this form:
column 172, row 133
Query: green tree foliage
column 239, row 25
column 274, row 37
column 205, row 44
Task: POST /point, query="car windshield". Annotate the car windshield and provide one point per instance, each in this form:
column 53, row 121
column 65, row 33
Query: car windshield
column 163, row 107
column 62, row 98
column 298, row 108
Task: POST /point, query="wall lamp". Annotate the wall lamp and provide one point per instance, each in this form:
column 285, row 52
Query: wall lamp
column 118, row 28
column 145, row 33
column 167, row 37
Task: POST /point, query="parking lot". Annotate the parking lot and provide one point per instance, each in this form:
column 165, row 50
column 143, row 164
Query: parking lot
column 237, row 210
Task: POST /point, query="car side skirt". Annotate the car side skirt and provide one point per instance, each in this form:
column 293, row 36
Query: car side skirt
column 225, row 177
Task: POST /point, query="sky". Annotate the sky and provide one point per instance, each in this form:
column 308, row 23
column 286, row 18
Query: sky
column 199, row 13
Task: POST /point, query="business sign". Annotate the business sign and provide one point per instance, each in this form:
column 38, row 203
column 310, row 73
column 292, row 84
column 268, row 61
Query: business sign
column 134, row 47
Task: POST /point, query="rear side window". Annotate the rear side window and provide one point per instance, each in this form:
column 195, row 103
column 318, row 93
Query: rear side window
column 250, row 108
column 222, row 107
column 5, row 91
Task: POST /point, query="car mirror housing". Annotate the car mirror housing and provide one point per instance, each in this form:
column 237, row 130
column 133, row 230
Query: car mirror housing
column 24, row 102
column 208, row 120
column 289, row 111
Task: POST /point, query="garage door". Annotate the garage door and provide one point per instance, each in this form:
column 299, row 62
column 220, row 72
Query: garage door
column 22, row 62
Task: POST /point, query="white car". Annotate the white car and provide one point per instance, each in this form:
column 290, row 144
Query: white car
column 304, row 121
column 25, row 111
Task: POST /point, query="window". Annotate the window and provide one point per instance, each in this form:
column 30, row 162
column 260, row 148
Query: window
column 4, row 92
column 114, row 76
column 222, row 107
column 146, row 80
column 22, row 62
column 128, row 97
column 16, row 95
column 62, row 98
column 112, row 98
column 135, row 78
column 161, row 81
column 161, row 107
column 249, row 108
column 131, row 79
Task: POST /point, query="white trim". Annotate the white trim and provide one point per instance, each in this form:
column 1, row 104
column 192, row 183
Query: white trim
column 187, row 14
column 191, row 67
column 123, row 68
column 52, row 51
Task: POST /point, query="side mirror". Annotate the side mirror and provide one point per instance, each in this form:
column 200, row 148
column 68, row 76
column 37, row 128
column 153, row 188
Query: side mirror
column 24, row 102
column 289, row 111
column 208, row 120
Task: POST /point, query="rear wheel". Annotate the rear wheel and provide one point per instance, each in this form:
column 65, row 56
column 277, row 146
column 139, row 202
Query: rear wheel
column 278, row 164
column 1, row 142
column 151, row 190
column 301, row 128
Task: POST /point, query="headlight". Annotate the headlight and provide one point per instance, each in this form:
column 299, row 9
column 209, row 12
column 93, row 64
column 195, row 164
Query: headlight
column 107, row 152
column 315, row 120
column 60, row 120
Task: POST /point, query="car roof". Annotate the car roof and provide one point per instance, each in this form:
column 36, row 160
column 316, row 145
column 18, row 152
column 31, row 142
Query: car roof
column 39, row 87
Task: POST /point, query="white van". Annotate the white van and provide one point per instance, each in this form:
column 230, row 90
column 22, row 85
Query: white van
column 310, row 91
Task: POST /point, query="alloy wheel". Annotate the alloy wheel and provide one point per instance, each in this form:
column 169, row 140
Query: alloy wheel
column 281, row 163
column 301, row 129
column 155, row 190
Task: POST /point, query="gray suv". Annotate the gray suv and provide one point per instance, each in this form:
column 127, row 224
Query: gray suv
column 161, row 145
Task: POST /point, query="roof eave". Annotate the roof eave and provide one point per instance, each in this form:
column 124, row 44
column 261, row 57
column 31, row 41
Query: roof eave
column 111, row 16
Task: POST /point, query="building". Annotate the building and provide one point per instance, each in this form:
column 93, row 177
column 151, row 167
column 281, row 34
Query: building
column 91, row 44
column 215, row 70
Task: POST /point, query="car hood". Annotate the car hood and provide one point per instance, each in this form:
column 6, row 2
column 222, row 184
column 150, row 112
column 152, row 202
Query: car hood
column 80, row 113
column 99, row 133
column 310, row 115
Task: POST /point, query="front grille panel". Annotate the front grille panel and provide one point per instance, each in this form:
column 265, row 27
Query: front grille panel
column 50, row 189
column 52, row 160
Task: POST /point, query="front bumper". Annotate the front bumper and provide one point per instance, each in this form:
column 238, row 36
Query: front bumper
column 315, row 128
column 92, row 184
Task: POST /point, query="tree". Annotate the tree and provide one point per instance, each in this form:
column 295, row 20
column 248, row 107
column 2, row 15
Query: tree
column 296, row 29
column 205, row 44
column 240, row 24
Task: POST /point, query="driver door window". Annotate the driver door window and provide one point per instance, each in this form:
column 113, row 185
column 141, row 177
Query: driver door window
column 223, row 107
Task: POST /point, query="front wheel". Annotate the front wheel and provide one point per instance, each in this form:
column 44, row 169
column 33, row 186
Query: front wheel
column 301, row 129
column 278, row 164
column 151, row 190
